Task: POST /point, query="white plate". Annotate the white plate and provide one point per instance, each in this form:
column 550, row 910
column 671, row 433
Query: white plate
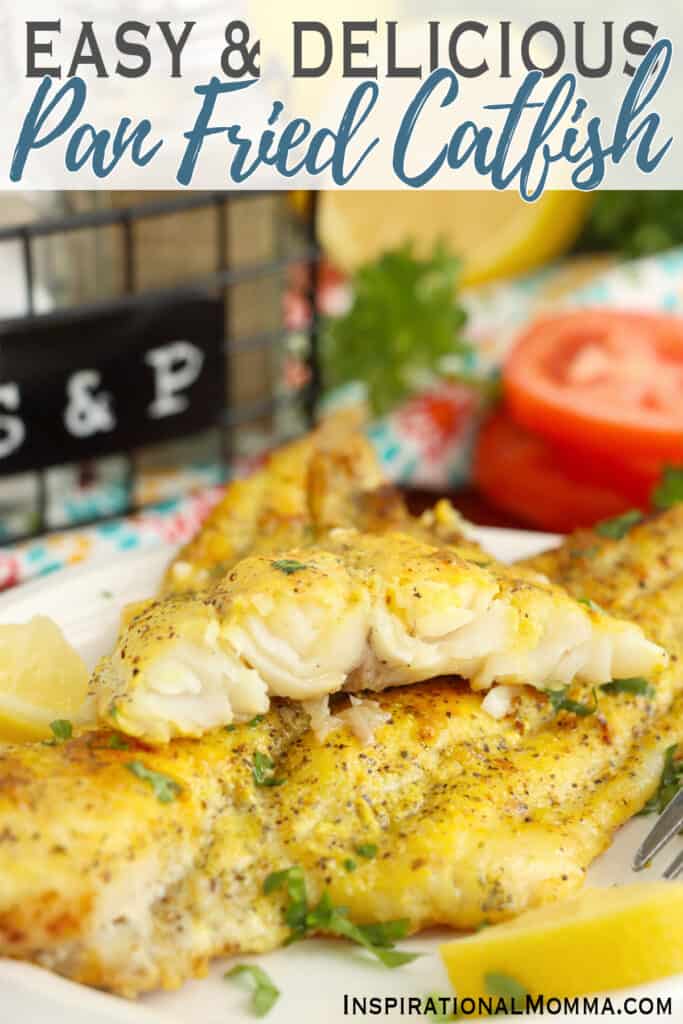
column 313, row 976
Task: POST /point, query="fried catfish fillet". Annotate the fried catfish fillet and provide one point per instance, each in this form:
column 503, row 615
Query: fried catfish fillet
column 356, row 612
column 304, row 486
column 329, row 478
column 132, row 878
column 621, row 570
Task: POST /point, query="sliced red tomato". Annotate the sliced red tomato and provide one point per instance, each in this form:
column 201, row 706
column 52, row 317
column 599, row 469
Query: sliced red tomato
column 634, row 476
column 520, row 472
column 603, row 381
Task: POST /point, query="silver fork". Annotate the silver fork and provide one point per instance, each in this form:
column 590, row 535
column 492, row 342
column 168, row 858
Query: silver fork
column 668, row 825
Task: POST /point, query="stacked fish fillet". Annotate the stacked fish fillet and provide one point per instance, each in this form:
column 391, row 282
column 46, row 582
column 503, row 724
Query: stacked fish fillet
column 134, row 853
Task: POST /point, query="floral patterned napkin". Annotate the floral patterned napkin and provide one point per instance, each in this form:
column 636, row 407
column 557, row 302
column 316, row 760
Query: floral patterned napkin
column 428, row 441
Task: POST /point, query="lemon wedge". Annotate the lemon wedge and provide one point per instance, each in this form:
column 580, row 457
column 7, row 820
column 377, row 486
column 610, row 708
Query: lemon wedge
column 495, row 234
column 602, row 939
column 42, row 678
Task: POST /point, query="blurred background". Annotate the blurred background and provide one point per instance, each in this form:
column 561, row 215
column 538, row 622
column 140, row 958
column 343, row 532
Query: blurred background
column 78, row 258
column 525, row 359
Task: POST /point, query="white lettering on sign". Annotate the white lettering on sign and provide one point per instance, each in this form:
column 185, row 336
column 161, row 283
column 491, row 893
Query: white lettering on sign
column 12, row 429
column 88, row 412
column 176, row 367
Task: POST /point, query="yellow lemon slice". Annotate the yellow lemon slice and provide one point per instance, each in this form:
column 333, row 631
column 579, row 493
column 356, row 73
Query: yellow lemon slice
column 495, row 234
column 602, row 939
column 42, row 678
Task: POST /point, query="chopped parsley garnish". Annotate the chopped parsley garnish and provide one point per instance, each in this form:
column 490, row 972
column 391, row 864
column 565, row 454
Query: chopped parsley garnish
column 350, row 864
column 297, row 909
column 367, row 850
column 619, row 526
column 670, row 783
column 584, row 552
column 636, row 685
column 592, row 605
column 262, row 769
column 165, row 788
column 106, row 594
column 294, row 877
column 561, row 702
column 386, row 933
column 264, row 993
column 303, row 920
column 378, row 939
column 117, row 742
column 289, row 565
column 62, row 729
column 230, row 728
column 508, row 989
column 256, row 720
column 669, row 490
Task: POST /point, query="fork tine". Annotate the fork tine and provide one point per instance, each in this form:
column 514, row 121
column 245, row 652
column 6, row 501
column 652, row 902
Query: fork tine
column 675, row 868
column 668, row 824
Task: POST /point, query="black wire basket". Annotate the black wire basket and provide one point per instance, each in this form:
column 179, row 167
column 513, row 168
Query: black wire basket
column 181, row 347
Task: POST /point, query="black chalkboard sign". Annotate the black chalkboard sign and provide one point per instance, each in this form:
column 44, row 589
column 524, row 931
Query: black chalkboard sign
column 108, row 379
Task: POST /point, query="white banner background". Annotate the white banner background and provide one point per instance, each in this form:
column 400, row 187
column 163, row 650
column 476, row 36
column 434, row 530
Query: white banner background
column 171, row 105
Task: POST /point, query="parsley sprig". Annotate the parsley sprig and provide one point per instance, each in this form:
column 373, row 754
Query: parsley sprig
column 165, row 788
column 405, row 319
column 264, row 992
column 305, row 920
column 633, row 223
column 670, row 782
